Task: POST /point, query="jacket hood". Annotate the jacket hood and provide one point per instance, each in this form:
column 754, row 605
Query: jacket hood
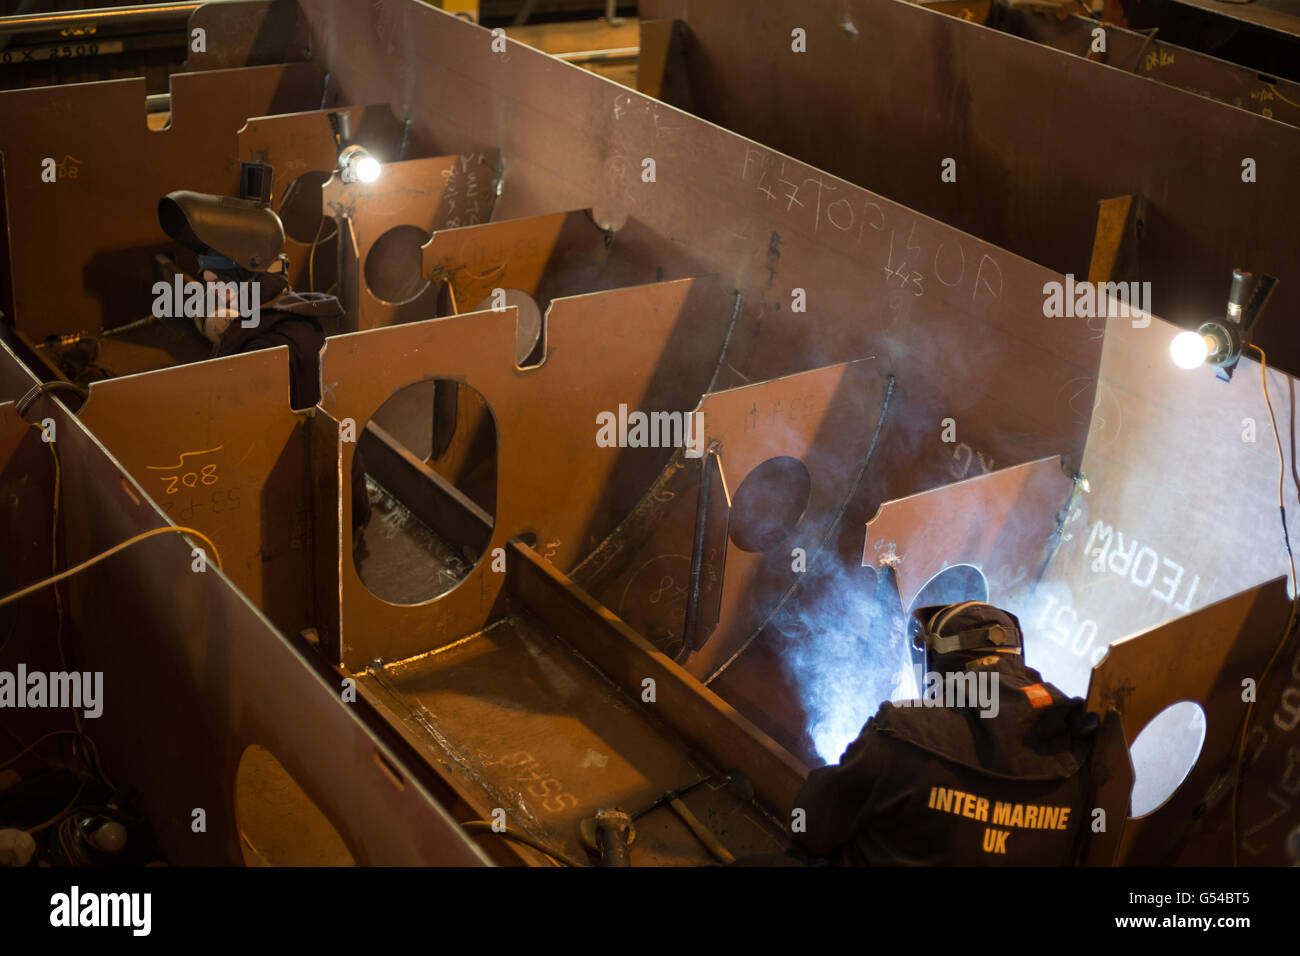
column 1038, row 733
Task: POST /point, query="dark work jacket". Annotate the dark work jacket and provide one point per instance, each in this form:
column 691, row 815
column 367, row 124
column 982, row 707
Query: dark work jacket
column 925, row 786
column 292, row 319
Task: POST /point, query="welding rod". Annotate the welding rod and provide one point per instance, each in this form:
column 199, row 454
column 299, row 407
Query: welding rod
column 702, row 833
column 674, row 800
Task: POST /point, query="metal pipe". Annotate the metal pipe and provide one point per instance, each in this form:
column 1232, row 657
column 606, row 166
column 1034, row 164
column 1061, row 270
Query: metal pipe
column 151, row 14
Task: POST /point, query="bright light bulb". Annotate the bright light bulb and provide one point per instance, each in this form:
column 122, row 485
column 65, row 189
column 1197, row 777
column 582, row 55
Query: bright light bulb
column 357, row 165
column 1189, row 349
column 368, row 169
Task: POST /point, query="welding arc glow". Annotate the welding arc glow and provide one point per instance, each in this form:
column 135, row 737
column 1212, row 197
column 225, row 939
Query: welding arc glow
column 846, row 656
column 1189, row 349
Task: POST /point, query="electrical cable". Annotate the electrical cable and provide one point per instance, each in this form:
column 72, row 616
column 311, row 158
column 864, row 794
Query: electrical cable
column 1295, row 600
column 33, row 588
column 556, row 857
column 32, row 746
column 311, row 253
column 311, row 257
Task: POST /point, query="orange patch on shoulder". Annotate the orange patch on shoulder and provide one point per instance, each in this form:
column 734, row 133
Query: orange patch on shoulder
column 1038, row 695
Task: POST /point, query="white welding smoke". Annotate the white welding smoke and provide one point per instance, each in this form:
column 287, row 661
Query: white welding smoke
column 845, row 656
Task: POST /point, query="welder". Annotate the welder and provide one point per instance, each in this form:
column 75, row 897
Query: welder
column 990, row 767
column 239, row 242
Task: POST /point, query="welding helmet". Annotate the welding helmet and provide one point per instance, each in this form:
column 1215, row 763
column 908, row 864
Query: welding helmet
column 942, row 629
column 225, row 232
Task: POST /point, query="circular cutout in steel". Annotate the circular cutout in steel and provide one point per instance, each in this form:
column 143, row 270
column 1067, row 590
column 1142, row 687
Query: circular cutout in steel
column 278, row 823
column 1164, row 753
column 529, row 329
column 393, row 265
column 302, row 210
column 769, row 503
column 961, row 582
column 409, row 553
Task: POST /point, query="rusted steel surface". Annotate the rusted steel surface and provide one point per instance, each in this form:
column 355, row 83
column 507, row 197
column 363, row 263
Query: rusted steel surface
column 833, row 336
column 1120, row 222
column 629, row 660
column 301, row 150
column 1004, row 524
column 249, row 33
column 1182, row 506
column 810, row 451
column 233, row 463
column 521, row 723
column 550, row 256
column 975, row 11
column 659, row 68
column 513, row 254
column 1138, row 53
column 330, row 538
column 101, row 212
column 1279, row 15
column 527, row 263
column 818, row 427
column 193, row 674
column 1203, row 657
column 766, row 223
column 383, row 225
column 27, row 482
column 941, row 89
column 1112, row 782
column 1267, row 810
column 545, row 421
column 769, row 225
